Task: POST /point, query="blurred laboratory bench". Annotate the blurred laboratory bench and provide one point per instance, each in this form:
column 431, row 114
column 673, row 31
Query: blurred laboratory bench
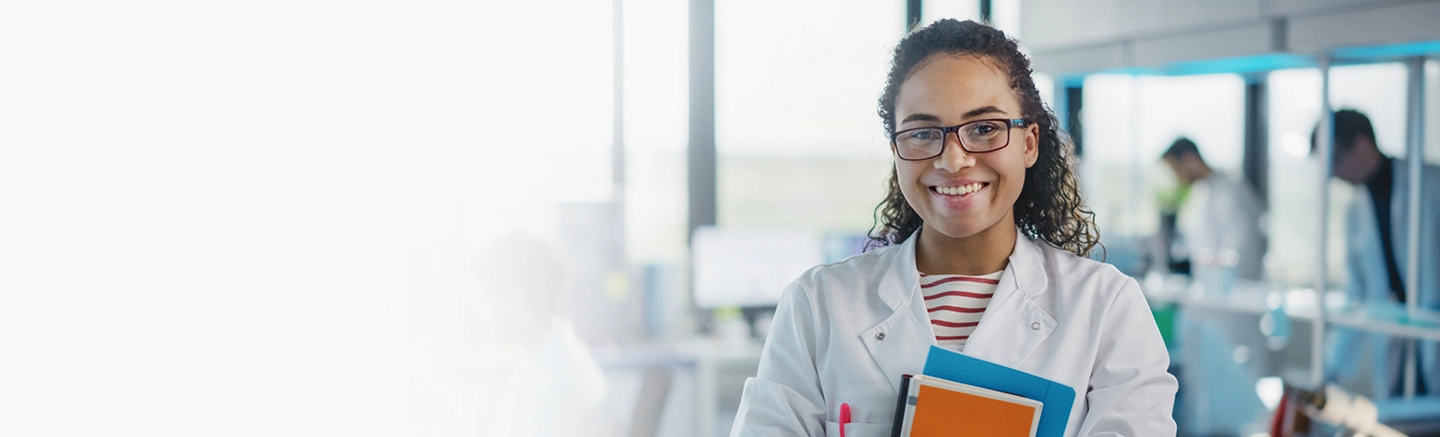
column 1297, row 303
column 1227, row 334
column 717, row 368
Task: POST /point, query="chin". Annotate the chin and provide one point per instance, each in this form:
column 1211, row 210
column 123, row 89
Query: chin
column 959, row 230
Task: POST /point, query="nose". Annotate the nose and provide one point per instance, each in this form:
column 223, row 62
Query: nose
column 953, row 157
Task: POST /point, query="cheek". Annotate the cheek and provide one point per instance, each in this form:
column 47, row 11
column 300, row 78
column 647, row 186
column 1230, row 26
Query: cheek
column 908, row 174
column 1011, row 168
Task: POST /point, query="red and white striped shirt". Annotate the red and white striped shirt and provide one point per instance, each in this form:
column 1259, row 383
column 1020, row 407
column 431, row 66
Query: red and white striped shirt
column 956, row 303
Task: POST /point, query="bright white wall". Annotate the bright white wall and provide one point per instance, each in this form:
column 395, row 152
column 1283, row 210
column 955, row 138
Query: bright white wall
column 263, row 218
column 806, row 87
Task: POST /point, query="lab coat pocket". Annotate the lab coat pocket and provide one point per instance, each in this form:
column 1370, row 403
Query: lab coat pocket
column 853, row 429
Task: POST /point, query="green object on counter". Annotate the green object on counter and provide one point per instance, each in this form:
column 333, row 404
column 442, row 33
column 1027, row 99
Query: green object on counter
column 725, row 314
column 1165, row 320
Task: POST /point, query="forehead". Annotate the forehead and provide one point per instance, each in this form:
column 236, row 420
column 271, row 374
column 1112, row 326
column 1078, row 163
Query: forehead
column 948, row 85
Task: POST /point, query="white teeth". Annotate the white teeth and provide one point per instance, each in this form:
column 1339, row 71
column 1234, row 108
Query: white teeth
column 960, row 190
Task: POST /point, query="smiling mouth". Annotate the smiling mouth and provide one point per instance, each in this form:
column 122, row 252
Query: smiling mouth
column 960, row 191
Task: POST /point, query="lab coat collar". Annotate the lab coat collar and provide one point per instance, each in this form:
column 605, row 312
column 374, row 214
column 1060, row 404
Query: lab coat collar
column 1009, row 330
column 1013, row 326
column 1024, row 272
column 902, row 277
column 1027, row 267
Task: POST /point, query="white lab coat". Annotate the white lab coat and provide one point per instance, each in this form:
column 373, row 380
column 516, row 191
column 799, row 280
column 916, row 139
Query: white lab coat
column 1369, row 281
column 846, row 332
column 559, row 375
column 1221, row 214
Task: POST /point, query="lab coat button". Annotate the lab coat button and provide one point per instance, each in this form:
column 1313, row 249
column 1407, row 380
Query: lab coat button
column 1035, row 326
column 880, row 336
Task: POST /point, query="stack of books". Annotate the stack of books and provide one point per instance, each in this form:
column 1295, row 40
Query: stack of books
column 962, row 395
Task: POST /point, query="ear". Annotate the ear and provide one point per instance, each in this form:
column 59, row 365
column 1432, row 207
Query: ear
column 1032, row 144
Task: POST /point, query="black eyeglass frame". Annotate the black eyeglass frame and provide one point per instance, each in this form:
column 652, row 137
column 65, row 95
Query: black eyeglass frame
column 945, row 131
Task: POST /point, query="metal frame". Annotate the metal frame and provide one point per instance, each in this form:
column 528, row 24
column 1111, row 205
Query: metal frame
column 1415, row 157
column 913, row 10
column 1326, row 148
column 1074, row 98
column 700, row 154
column 1256, row 157
column 617, row 136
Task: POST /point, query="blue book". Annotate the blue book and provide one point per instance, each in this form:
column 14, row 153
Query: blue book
column 964, row 369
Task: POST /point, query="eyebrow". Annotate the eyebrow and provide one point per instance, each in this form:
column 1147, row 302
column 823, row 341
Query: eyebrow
column 973, row 113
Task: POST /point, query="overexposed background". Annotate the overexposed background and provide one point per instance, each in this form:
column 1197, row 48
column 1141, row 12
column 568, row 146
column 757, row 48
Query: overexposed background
column 314, row 217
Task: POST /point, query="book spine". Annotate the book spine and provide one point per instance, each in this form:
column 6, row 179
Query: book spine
column 900, row 402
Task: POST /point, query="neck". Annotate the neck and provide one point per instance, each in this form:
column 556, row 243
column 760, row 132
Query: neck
column 1377, row 167
column 983, row 253
column 1202, row 172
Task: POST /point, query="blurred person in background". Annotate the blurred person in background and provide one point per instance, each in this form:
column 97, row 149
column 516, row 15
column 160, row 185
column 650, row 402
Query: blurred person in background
column 1377, row 243
column 1219, row 222
column 979, row 247
column 557, row 389
column 1219, row 217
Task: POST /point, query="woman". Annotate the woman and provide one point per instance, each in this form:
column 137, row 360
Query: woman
column 981, row 243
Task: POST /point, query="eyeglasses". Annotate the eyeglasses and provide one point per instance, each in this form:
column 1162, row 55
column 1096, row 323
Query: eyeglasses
column 978, row 136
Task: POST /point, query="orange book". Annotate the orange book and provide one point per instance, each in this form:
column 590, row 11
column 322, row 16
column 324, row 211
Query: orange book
column 938, row 407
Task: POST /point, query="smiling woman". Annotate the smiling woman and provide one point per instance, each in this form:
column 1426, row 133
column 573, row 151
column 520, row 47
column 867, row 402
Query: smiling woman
column 978, row 249
column 966, row 194
column 1048, row 204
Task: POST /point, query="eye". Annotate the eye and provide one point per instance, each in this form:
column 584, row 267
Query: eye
column 921, row 135
column 982, row 129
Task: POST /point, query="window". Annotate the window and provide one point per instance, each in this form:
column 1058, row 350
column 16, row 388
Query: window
column 656, row 130
column 1378, row 90
column 798, row 142
column 1046, row 85
column 1130, row 120
column 934, row 10
column 1004, row 14
column 549, row 98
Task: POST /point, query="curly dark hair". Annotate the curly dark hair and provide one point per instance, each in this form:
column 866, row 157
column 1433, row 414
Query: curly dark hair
column 1049, row 207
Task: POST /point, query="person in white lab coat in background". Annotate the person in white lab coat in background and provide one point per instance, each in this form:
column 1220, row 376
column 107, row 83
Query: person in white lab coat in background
column 558, row 377
column 1221, row 218
column 1377, row 245
column 1220, row 224
column 983, row 217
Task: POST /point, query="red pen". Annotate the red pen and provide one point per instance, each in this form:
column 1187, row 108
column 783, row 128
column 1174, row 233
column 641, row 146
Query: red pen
column 844, row 417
